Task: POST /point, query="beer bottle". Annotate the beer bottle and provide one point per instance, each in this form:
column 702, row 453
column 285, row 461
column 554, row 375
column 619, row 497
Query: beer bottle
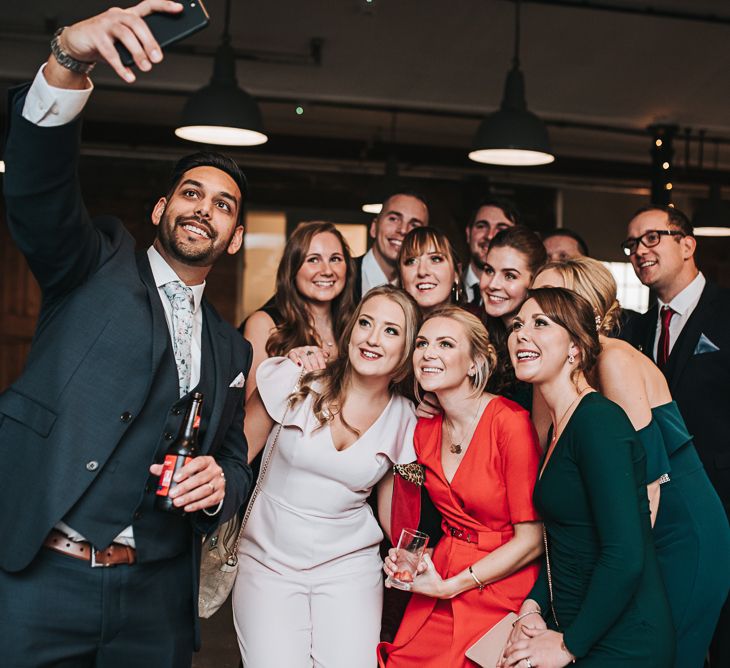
column 180, row 452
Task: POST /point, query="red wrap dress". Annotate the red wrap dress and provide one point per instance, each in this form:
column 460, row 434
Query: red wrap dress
column 490, row 492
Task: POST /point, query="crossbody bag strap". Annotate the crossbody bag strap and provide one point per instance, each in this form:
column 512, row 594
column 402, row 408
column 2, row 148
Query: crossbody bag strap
column 264, row 468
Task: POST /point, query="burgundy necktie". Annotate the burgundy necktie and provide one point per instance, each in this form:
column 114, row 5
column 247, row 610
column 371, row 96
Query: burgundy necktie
column 662, row 351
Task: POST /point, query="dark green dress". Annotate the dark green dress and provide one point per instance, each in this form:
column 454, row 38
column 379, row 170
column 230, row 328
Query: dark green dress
column 691, row 534
column 608, row 594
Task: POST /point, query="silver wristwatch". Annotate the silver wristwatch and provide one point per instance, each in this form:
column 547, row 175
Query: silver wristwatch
column 70, row 63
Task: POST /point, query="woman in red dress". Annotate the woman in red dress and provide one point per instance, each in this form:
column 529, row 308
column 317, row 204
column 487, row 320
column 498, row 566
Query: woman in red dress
column 481, row 457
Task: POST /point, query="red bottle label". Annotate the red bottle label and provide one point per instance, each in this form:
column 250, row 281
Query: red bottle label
column 171, row 465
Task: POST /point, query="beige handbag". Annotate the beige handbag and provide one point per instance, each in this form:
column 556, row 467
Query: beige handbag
column 219, row 558
column 488, row 649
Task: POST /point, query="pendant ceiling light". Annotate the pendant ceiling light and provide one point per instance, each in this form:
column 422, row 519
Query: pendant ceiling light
column 221, row 112
column 513, row 135
column 712, row 217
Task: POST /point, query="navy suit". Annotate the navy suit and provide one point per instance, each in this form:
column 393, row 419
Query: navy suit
column 98, row 399
column 698, row 373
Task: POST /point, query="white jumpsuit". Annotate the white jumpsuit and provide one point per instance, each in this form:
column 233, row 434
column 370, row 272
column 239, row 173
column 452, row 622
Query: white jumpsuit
column 309, row 587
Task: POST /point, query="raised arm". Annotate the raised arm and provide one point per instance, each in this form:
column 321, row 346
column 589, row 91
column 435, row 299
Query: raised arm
column 257, row 330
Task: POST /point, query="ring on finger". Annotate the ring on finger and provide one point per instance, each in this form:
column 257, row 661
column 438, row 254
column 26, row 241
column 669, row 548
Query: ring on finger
column 309, row 352
column 212, row 486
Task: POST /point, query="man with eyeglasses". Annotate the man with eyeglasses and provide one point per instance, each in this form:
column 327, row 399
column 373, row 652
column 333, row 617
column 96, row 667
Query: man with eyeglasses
column 687, row 333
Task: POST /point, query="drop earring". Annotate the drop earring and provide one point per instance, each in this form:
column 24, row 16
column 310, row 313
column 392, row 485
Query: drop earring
column 571, row 359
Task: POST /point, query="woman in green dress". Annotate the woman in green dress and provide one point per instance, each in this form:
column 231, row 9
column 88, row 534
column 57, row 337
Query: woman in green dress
column 691, row 532
column 600, row 590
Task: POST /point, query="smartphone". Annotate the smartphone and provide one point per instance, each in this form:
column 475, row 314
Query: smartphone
column 170, row 28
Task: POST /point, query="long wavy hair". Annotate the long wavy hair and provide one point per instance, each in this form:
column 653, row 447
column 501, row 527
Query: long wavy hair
column 335, row 378
column 297, row 328
column 592, row 280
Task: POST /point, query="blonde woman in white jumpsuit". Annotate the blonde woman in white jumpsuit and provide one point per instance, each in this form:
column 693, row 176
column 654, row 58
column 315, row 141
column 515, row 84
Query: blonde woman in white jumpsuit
column 309, row 586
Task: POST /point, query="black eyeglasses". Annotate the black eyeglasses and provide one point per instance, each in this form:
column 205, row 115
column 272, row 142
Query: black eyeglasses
column 648, row 239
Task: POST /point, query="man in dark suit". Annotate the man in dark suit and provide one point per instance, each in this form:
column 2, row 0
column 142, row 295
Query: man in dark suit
column 401, row 212
column 688, row 334
column 491, row 215
column 91, row 574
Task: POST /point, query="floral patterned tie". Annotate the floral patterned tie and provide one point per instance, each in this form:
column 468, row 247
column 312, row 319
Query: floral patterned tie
column 181, row 299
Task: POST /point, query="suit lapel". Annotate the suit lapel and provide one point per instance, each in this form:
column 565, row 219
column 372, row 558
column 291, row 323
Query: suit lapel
column 160, row 332
column 683, row 349
column 221, row 355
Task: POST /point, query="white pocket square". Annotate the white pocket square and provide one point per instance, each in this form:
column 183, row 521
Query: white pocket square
column 704, row 345
column 238, row 381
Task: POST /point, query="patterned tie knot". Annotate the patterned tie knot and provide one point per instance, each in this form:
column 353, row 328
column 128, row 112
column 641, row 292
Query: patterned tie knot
column 180, row 295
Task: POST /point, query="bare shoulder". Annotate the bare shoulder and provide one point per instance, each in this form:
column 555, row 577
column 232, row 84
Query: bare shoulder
column 259, row 323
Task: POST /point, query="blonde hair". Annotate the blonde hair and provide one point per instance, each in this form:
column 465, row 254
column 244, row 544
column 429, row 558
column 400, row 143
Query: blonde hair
column 335, row 378
column 482, row 352
column 595, row 283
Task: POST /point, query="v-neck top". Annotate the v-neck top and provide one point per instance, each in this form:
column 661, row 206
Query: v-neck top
column 313, row 499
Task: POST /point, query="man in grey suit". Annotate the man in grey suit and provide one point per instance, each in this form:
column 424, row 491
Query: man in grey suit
column 91, row 574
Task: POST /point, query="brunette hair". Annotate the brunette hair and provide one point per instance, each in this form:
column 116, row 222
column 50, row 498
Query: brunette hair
column 593, row 281
column 524, row 241
column 333, row 380
column 508, row 208
column 565, row 232
column 676, row 218
column 481, row 349
column 574, row 314
column 421, row 240
column 297, row 326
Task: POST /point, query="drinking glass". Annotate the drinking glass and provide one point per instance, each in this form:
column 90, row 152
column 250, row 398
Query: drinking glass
column 411, row 546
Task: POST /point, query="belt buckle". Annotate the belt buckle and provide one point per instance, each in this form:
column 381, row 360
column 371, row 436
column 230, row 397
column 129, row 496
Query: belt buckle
column 94, row 563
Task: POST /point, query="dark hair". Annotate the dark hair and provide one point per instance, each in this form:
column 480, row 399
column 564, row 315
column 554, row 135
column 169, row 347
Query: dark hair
column 297, row 327
column 524, row 241
column 418, row 241
column 677, row 218
column 407, row 192
column 565, row 232
column 508, row 207
column 574, row 314
column 210, row 159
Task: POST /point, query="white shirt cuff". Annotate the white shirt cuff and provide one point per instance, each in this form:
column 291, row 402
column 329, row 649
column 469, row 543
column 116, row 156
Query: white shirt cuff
column 48, row 106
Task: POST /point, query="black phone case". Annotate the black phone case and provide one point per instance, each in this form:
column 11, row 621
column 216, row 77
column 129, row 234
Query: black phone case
column 170, row 28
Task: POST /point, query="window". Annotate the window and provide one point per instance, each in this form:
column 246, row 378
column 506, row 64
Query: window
column 632, row 293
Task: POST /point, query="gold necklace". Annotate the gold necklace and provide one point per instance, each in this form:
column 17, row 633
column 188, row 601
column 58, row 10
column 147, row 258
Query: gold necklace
column 556, row 432
column 456, row 448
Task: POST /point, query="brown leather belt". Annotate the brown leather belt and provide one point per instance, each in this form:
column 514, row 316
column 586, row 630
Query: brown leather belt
column 113, row 555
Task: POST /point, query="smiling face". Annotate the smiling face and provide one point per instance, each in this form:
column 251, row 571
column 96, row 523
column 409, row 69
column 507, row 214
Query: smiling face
column 667, row 267
column 538, row 347
column 487, row 222
column 198, row 223
column 321, row 278
column 442, row 359
column 400, row 214
column 378, row 339
column 504, row 282
column 428, row 278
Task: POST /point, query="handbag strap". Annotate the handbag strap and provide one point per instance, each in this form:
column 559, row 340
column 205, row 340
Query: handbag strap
column 549, row 576
column 233, row 556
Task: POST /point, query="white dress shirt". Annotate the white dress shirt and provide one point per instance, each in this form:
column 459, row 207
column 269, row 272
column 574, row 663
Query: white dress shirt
column 48, row 106
column 372, row 275
column 470, row 279
column 683, row 306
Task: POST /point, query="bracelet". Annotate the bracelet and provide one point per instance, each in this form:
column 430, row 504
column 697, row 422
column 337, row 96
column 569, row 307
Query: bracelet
column 213, row 513
column 524, row 614
column 63, row 59
column 480, row 584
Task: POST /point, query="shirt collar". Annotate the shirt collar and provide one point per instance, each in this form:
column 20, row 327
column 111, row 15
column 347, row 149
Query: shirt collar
column 164, row 273
column 471, row 278
column 687, row 297
column 371, row 269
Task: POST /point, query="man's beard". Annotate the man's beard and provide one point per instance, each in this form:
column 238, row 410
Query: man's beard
column 195, row 256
